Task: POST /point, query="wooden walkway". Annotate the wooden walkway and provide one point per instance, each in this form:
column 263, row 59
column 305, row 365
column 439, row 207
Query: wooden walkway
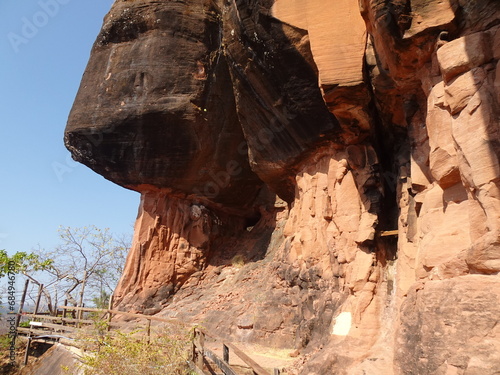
column 203, row 360
column 203, row 357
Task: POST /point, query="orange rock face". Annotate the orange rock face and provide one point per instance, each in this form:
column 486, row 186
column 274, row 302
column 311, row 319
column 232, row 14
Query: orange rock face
column 336, row 192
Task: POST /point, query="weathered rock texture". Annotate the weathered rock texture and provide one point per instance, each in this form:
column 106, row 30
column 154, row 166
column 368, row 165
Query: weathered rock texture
column 276, row 142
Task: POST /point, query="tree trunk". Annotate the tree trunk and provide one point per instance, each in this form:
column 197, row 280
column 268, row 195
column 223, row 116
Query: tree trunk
column 82, row 290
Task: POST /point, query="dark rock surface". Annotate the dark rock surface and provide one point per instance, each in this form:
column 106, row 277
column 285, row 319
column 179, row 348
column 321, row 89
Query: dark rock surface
column 181, row 96
column 156, row 105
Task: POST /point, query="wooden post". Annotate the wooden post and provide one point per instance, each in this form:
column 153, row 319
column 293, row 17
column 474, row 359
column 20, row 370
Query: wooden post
column 193, row 348
column 199, row 343
column 110, row 302
column 193, row 351
column 78, row 317
column 277, row 371
column 64, row 310
column 37, row 305
column 225, row 353
column 25, row 362
column 148, row 330
column 110, row 314
column 79, row 314
column 21, row 304
column 256, row 368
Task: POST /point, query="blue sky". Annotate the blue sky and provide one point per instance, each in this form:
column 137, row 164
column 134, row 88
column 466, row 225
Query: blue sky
column 44, row 48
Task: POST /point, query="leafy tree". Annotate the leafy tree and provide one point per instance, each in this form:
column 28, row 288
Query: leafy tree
column 21, row 262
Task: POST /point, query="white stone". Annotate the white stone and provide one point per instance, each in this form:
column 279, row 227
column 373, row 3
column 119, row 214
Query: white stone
column 343, row 324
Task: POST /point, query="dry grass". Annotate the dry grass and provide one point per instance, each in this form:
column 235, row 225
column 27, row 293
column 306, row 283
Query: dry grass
column 121, row 353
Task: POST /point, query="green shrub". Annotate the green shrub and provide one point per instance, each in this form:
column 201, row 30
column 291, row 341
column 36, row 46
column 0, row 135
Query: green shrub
column 5, row 341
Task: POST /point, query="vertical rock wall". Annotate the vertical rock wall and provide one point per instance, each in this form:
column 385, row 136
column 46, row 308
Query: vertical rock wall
column 319, row 176
column 171, row 242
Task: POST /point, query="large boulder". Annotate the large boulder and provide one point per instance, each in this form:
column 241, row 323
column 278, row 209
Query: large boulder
column 320, row 176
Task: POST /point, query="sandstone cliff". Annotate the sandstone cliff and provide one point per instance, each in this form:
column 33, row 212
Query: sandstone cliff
column 315, row 175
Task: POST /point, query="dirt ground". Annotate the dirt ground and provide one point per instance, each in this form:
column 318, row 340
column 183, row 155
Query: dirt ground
column 7, row 368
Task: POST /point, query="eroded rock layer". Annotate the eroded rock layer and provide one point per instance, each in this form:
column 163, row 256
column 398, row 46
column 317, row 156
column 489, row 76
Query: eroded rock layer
column 316, row 176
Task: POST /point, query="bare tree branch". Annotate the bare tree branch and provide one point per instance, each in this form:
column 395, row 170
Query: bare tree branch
column 89, row 262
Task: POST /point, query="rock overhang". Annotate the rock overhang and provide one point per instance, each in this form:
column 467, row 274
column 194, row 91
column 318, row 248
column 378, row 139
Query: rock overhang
column 163, row 103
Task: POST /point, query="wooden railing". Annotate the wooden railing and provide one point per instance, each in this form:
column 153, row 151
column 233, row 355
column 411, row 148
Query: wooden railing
column 201, row 353
column 201, row 356
column 109, row 313
column 57, row 328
